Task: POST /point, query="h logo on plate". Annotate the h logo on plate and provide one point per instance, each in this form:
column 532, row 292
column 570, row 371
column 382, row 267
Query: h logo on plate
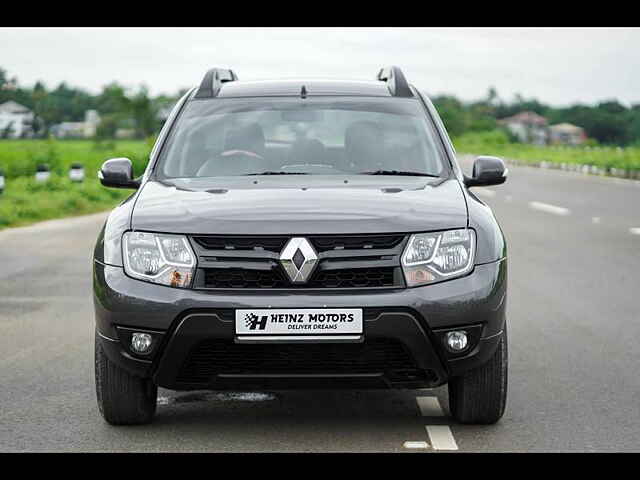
column 254, row 322
column 299, row 259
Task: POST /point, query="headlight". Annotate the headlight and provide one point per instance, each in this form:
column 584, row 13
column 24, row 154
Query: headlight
column 437, row 256
column 158, row 258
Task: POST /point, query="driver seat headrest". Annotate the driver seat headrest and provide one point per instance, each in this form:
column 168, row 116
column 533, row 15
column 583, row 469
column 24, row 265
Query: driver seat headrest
column 247, row 137
column 363, row 143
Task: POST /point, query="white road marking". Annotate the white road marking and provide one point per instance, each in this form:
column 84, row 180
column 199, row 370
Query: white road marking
column 411, row 444
column 548, row 208
column 485, row 192
column 429, row 406
column 441, row 437
column 635, row 230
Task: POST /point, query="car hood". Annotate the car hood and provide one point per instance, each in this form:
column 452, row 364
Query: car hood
column 300, row 205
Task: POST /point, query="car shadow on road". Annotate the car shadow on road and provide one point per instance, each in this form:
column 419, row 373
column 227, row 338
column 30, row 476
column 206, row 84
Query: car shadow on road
column 300, row 420
column 298, row 403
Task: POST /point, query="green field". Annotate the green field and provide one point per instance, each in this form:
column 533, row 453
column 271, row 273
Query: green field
column 25, row 201
column 497, row 144
column 20, row 157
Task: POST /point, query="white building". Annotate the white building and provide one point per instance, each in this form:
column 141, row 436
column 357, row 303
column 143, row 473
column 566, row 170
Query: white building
column 567, row 134
column 528, row 127
column 86, row 129
column 15, row 119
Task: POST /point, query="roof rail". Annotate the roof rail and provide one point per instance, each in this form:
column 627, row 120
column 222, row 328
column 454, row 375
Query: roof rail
column 213, row 80
column 396, row 82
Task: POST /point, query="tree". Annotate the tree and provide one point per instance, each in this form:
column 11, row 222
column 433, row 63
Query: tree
column 3, row 78
column 6, row 131
column 611, row 106
column 608, row 122
column 492, row 96
column 112, row 99
column 108, row 126
column 143, row 113
column 452, row 113
column 44, row 113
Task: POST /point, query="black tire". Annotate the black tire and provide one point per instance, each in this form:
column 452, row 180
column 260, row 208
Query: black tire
column 123, row 399
column 480, row 395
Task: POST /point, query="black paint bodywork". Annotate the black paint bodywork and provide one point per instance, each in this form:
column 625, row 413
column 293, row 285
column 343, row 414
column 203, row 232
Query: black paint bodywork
column 418, row 317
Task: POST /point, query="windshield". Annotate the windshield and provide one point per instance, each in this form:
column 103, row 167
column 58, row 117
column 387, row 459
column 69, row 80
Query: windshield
column 322, row 135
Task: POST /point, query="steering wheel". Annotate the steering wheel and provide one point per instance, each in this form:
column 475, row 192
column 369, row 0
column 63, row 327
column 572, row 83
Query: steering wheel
column 246, row 153
column 215, row 167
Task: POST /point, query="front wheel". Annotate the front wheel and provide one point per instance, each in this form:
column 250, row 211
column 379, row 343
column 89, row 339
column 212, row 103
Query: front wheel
column 479, row 396
column 123, row 399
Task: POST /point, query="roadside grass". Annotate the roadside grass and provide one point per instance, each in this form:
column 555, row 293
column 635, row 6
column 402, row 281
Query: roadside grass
column 497, row 144
column 26, row 201
column 20, row 158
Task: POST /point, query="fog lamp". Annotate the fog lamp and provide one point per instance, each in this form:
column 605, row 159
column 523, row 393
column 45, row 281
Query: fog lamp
column 457, row 340
column 141, row 342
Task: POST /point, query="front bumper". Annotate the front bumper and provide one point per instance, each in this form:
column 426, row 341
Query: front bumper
column 414, row 318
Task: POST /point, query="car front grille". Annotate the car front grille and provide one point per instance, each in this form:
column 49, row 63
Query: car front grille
column 347, row 278
column 214, row 357
column 243, row 278
column 344, row 262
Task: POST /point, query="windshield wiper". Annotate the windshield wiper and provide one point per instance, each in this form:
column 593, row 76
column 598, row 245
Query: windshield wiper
column 399, row 172
column 272, row 172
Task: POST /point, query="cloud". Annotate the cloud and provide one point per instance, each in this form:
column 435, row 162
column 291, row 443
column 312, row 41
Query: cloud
column 559, row 66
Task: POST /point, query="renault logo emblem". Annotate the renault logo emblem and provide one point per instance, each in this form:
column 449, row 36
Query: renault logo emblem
column 299, row 259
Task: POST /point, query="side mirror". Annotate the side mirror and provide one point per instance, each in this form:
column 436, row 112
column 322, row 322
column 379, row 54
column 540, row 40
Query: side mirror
column 487, row 171
column 118, row 173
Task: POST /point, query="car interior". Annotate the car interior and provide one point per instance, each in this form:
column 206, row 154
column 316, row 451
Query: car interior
column 215, row 147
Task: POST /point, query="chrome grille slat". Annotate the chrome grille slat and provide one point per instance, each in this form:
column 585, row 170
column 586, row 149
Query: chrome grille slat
column 355, row 242
column 239, row 254
column 347, row 265
column 359, row 253
column 220, row 242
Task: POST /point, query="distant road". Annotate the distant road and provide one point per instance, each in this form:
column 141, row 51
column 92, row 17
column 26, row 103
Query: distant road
column 574, row 325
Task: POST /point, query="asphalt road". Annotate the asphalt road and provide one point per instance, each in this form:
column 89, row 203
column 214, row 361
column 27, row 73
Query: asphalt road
column 574, row 326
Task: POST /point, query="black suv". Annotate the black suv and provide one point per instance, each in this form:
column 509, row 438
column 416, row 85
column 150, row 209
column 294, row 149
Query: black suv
column 301, row 234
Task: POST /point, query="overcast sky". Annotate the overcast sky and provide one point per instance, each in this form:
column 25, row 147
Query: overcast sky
column 557, row 66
